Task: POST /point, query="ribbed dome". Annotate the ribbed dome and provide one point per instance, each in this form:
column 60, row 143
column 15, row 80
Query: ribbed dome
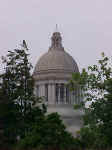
column 56, row 59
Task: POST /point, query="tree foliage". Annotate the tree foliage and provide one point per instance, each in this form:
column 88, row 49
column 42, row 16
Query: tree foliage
column 96, row 84
column 49, row 133
column 17, row 79
column 16, row 93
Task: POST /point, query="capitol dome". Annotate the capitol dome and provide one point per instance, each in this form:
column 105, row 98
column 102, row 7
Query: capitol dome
column 56, row 63
column 53, row 71
column 51, row 74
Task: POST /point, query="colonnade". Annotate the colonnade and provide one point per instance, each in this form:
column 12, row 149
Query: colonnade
column 57, row 93
column 62, row 94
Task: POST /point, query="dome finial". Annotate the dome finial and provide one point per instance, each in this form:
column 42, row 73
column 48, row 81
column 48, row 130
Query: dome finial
column 56, row 29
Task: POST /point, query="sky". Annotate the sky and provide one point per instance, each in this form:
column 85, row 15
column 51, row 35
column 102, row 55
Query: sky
column 85, row 25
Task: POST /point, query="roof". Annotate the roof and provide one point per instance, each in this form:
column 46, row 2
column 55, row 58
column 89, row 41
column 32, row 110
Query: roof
column 56, row 60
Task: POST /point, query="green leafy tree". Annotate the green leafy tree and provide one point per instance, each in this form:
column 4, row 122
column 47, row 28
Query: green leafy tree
column 49, row 133
column 96, row 84
column 16, row 93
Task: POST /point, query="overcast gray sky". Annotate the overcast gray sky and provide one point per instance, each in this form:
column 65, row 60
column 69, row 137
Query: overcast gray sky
column 86, row 27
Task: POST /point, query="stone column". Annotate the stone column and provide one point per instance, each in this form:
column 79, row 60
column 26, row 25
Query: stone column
column 42, row 90
column 50, row 94
column 39, row 90
column 53, row 94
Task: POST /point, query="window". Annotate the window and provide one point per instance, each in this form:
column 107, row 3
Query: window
column 62, row 93
column 57, row 92
column 67, row 95
column 46, row 92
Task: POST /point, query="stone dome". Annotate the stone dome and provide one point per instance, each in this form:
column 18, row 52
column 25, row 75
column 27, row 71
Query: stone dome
column 56, row 63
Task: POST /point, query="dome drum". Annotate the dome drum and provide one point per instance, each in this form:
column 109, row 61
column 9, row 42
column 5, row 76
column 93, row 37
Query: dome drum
column 46, row 75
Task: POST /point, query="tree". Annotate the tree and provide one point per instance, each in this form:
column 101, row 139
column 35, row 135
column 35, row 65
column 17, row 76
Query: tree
column 16, row 93
column 49, row 133
column 96, row 84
